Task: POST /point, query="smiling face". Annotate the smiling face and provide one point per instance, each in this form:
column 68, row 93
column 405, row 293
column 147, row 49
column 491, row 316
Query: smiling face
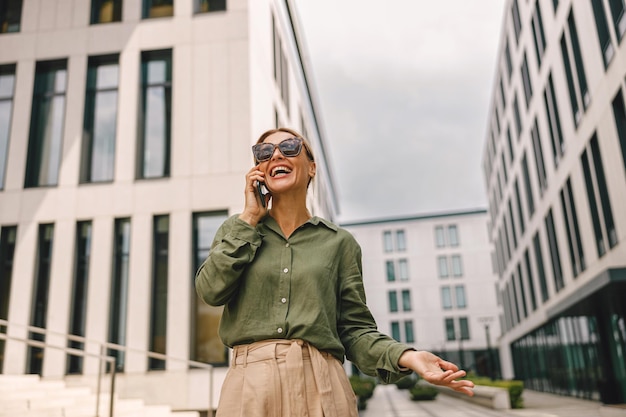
column 284, row 174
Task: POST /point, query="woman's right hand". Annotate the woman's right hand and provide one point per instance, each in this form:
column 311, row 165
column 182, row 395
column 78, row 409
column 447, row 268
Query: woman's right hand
column 253, row 211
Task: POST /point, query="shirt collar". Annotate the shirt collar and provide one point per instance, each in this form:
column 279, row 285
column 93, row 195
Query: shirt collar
column 269, row 222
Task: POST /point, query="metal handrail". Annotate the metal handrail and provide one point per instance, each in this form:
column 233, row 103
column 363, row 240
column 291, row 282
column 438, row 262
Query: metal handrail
column 102, row 356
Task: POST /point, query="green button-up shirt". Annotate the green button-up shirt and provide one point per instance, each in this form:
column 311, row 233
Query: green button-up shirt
column 307, row 287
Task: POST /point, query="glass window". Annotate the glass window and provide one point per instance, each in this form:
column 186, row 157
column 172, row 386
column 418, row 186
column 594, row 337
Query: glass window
column 156, row 76
column 528, row 88
column 395, row 330
column 543, row 285
column 439, row 237
column 619, row 112
column 453, row 234
column 509, row 140
column 204, row 6
column 106, row 11
column 387, row 241
column 606, row 46
column 517, row 118
column 512, row 220
column 555, row 256
column 538, row 33
column 7, row 89
column 10, row 16
column 118, row 305
column 78, row 300
column 457, row 266
column 570, row 81
column 391, row 271
column 158, row 308
column 446, row 298
column 443, row 266
column 408, row 331
column 619, row 17
column 578, row 60
column 520, row 284
column 603, row 192
column 403, row 266
column 554, row 122
column 570, row 218
column 281, row 69
column 393, row 301
column 400, row 240
column 39, row 311
column 406, row 300
column 98, row 151
column 507, row 56
column 46, row 124
column 206, row 345
column 464, row 328
column 450, row 333
column 157, row 8
column 530, row 280
column 542, row 176
column 530, row 201
column 520, row 211
column 461, row 302
column 8, row 237
column 517, row 23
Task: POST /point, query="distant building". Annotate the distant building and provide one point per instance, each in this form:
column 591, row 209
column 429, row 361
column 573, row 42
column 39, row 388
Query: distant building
column 430, row 283
column 125, row 135
column 555, row 165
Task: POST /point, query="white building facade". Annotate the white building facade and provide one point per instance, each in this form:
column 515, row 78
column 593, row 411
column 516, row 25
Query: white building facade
column 555, row 171
column 125, row 134
column 430, row 283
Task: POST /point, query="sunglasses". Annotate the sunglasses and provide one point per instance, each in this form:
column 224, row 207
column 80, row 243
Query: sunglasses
column 289, row 147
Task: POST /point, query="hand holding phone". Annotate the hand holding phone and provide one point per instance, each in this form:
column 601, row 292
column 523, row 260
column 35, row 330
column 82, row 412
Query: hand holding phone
column 262, row 191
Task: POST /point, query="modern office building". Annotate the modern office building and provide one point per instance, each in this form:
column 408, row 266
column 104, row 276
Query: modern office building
column 555, row 171
column 430, row 282
column 125, row 135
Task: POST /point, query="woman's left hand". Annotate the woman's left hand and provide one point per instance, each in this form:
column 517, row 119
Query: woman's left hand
column 435, row 370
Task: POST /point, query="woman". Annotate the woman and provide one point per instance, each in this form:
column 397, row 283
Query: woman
column 294, row 300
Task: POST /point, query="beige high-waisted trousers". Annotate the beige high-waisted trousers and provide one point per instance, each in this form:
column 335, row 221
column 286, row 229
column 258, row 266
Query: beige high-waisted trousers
column 285, row 378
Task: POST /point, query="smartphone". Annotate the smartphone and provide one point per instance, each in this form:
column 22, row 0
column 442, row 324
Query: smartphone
column 262, row 191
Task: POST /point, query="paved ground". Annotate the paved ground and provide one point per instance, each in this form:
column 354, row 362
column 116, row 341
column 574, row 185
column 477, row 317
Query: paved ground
column 388, row 401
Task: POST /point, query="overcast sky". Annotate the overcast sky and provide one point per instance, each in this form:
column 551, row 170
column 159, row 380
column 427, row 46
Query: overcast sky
column 404, row 88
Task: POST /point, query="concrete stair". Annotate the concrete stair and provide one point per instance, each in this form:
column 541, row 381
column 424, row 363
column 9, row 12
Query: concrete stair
column 30, row 396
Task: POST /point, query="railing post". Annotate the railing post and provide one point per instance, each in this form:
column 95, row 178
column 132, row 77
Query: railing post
column 98, row 381
column 111, row 399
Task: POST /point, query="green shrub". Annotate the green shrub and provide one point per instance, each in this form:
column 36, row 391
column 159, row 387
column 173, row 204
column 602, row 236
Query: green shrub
column 515, row 388
column 423, row 393
column 363, row 388
column 406, row 382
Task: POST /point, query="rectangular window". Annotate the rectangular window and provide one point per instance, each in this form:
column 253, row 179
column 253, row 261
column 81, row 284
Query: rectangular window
column 453, row 234
column 554, row 122
column 406, row 300
column 538, row 33
column 517, row 117
column 517, row 23
column 530, row 201
column 502, row 96
column 443, row 266
column 619, row 112
column 606, row 46
column 156, row 104
column 507, row 238
column 542, row 176
column 408, row 331
column 39, row 311
column 106, row 11
column 450, row 333
column 281, row 68
column 509, row 140
column 158, row 308
column 8, row 237
column 576, row 113
column 446, row 298
column 7, row 90
column 78, row 300
column 619, row 17
column 520, row 211
column 464, row 328
column 387, row 241
column 403, row 267
column 513, row 228
column 543, row 284
column 118, row 304
column 207, row 6
column 528, row 88
column 157, row 8
column 10, row 16
column 400, row 240
column 603, row 192
column 507, row 56
column 530, row 280
column 513, row 302
column 46, row 124
column 522, row 291
column 555, row 256
column 395, row 330
column 391, row 271
column 206, row 345
column 440, row 239
column 578, row 60
column 393, row 301
column 98, row 150
column 457, row 266
column 577, row 257
column 461, row 302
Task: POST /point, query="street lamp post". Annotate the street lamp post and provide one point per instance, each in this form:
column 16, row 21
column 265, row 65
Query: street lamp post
column 490, row 365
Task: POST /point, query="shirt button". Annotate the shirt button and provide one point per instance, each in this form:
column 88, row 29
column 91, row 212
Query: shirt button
column 286, row 270
column 283, row 300
column 279, row 330
column 286, row 245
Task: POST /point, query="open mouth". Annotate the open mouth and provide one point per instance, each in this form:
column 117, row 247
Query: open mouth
column 280, row 171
